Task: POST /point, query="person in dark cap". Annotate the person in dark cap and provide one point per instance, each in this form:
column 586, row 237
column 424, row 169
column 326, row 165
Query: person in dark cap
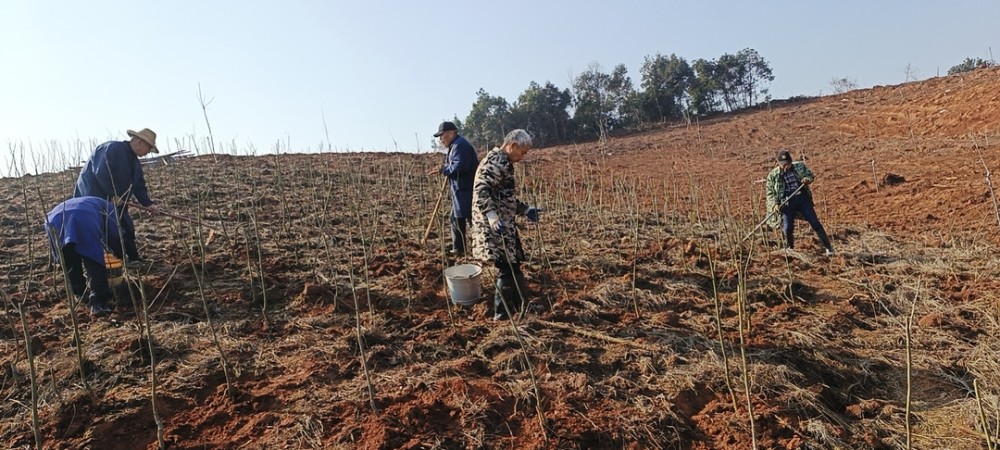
column 460, row 162
column 788, row 196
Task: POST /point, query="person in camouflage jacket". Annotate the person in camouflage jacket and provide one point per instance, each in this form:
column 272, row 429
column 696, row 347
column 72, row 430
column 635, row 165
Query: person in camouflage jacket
column 494, row 208
column 788, row 196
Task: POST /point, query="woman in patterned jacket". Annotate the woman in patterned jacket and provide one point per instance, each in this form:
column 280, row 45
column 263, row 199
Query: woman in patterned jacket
column 494, row 207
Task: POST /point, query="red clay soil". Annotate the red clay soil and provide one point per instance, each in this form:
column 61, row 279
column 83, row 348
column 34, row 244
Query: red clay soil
column 313, row 317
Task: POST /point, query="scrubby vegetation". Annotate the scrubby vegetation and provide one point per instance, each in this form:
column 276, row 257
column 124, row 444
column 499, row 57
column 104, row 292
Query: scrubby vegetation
column 310, row 316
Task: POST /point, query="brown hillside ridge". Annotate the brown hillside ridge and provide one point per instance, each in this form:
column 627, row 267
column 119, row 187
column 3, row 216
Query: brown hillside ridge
column 310, row 316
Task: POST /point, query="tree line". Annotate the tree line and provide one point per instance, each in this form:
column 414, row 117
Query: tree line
column 599, row 102
column 971, row 64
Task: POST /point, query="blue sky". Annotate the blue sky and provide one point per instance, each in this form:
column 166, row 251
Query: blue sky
column 383, row 74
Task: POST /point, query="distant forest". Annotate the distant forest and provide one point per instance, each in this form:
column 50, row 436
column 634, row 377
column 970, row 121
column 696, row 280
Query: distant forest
column 600, row 103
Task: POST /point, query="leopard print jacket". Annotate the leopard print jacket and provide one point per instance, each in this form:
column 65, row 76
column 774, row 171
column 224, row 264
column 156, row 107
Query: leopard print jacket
column 493, row 190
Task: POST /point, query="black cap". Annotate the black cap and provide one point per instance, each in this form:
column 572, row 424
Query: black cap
column 784, row 156
column 445, row 126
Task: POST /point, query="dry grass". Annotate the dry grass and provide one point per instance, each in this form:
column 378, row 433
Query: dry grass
column 629, row 356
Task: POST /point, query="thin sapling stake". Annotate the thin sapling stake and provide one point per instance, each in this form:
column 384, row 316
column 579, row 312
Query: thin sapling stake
column 359, row 335
column 35, row 426
column 741, row 294
column 198, row 269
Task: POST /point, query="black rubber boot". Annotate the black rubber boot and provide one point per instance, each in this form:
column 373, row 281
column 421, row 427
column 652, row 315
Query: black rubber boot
column 507, row 293
column 99, row 303
column 503, row 301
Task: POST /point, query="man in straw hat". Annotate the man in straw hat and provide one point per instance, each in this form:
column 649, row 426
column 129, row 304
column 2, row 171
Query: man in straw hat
column 115, row 174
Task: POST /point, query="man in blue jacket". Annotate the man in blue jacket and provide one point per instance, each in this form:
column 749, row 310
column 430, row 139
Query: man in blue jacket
column 115, row 174
column 82, row 231
column 460, row 164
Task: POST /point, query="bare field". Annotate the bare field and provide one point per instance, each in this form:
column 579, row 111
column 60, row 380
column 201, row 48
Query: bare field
column 312, row 317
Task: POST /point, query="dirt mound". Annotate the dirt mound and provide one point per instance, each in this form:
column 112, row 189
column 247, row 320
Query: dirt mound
column 313, row 318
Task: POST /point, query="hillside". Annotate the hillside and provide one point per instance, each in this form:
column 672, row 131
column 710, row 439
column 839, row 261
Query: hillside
column 663, row 328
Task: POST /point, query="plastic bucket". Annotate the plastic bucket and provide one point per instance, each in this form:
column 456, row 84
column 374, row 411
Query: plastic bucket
column 115, row 270
column 464, row 283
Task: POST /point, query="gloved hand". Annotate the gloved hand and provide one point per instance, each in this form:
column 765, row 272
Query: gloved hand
column 807, row 181
column 495, row 223
column 776, row 208
column 532, row 214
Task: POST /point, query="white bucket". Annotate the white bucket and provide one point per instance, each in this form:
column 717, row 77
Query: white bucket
column 464, row 285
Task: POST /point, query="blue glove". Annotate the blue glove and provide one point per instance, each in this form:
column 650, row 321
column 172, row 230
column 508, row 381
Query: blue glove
column 532, row 214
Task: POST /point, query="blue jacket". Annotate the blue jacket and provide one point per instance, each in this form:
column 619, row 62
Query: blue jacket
column 88, row 222
column 460, row 167
column 113, row 172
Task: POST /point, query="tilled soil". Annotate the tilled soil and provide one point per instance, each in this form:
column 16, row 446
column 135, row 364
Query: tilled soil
column 311, row 315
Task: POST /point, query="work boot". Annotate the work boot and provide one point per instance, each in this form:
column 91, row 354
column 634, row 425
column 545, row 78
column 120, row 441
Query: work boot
column 506, row 292
column 99, row 304
column 135, row 265
column 537, row 308
column 499, row 309
column 97, row 310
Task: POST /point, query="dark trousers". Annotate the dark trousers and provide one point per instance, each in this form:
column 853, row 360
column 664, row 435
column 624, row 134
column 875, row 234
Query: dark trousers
column 97, row 275
column 128, row 233
column 801, row 204
column 511, row 289
column 459, row 225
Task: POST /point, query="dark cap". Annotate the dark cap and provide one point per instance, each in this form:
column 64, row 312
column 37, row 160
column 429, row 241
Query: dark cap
column 445, row 126
column 784, row 157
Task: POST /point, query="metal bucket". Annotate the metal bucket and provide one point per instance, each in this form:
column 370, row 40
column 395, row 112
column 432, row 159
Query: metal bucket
column 464, row 283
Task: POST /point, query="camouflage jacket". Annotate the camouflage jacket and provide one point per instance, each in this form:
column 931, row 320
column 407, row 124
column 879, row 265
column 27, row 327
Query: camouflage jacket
column 776, row 183
column 775, row 187
column 493, row 190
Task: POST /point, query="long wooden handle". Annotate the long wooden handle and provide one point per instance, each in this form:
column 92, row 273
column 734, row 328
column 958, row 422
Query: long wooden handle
column 175, row 216
column 771, row 213
column 437, row 205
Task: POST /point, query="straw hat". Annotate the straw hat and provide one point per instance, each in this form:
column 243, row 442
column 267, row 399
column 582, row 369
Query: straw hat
column 146, row 135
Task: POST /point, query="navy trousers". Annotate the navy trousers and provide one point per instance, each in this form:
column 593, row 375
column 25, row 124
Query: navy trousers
column 801, row 204
column 128, row 234
column 97, row 274
column 459, row 225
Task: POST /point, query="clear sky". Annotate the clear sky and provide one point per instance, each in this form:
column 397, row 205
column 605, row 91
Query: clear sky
column 383, row 74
